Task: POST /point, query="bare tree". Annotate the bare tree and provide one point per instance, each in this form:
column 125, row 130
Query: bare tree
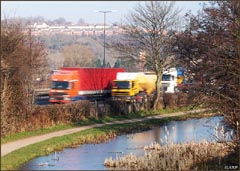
column 150, row 29
column 21, row 59
column 210, row 48
column 55, row 60
column 36, row 64
column 60, row 21
column 77, row 56
column 81, row 21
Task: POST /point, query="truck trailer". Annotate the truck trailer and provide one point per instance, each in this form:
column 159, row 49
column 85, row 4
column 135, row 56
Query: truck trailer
column 72, row 84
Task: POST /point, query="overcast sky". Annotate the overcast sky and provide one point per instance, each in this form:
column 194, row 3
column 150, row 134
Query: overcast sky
column 74, row 10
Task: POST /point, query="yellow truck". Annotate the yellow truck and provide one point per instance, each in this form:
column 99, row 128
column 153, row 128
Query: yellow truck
column 133, row 86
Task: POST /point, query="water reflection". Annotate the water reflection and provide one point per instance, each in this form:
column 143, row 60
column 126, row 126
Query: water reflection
column 91, row 157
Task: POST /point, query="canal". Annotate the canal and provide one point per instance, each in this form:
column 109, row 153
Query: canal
column 92, row 156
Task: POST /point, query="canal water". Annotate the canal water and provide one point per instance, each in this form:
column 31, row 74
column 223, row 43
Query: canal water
column 92, row 156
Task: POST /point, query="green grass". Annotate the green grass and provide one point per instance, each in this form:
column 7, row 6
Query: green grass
column 90, row 121
column 94, row 135
column 21, row 135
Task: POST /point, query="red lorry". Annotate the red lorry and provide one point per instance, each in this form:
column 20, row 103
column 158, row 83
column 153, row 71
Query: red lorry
column 71, row 84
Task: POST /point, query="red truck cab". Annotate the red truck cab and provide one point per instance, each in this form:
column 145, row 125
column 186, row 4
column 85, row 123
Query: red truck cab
column 64, row 86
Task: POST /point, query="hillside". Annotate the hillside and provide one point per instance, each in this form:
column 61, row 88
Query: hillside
column 56, row 42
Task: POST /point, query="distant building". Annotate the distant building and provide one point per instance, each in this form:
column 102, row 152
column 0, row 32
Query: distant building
column 83, row 29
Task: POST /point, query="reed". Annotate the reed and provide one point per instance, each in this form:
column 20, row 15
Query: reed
column 186, row 156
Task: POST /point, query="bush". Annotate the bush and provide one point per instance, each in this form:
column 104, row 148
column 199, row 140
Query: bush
column 51, row 115
column 177, row 100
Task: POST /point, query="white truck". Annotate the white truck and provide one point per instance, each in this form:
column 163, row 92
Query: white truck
column 170, row 79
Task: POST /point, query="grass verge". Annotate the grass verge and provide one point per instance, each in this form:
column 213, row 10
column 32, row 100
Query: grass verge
column 93, row 135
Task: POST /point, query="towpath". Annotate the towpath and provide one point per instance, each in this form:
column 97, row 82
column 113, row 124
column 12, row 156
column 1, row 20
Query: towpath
column 15, row 145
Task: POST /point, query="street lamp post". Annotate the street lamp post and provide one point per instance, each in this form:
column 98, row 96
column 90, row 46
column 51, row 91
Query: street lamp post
column 104, row 39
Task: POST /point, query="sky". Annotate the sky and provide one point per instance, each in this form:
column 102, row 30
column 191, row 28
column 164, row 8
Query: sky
column 87, row 10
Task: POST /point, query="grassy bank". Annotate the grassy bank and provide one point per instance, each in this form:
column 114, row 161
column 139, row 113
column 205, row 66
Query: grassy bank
column 89, row 121
column 94, row 135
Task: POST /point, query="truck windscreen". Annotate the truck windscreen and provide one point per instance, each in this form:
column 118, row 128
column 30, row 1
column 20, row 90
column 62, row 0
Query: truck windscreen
column 122, row 84
column 166, row 77
column 60, row 85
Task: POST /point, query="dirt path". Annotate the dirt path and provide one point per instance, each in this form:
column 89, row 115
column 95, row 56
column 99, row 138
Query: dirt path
column 15, row 145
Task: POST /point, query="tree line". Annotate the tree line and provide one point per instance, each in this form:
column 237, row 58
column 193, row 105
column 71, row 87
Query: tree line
column 40, row 20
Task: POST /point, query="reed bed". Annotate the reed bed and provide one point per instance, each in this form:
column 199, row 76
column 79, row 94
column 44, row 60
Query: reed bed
column 187, row 156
